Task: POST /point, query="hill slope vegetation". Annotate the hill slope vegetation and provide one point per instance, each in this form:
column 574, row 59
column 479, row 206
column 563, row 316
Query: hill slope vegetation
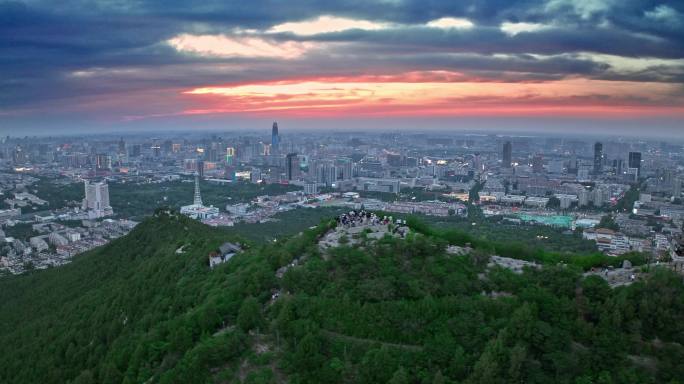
column 386, row 311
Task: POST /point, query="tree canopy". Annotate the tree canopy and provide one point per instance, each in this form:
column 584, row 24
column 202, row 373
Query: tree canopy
column 387, row 311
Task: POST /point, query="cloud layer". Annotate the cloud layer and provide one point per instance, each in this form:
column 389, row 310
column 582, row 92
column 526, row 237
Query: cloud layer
column 131, row 60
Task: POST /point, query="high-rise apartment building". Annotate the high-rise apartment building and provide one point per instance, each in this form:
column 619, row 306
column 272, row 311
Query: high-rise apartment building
column 345, row 165
column 103, row 162
column 598, row 158
column 538, row 164
column 634, row 161
column 96, row 201
column 292, row 166
column 230, row 156
column 507, row 155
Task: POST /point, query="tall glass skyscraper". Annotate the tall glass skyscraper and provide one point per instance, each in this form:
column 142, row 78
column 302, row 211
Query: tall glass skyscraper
column 634, row 161
column 275, row 137
column 507, row 155
column 598, row 158
column 291, row 166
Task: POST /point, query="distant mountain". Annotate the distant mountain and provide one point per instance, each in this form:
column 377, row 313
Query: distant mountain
column 148, row 309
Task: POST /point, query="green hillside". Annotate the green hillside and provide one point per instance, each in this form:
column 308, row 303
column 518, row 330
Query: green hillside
column 391, row 311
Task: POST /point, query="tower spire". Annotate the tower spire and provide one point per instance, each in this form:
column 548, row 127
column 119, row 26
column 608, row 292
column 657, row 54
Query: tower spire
column 198, row 196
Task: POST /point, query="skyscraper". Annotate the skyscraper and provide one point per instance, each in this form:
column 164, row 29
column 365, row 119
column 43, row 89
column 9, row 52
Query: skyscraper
column 136, row 151
column 507, row 155
column 345, row 165
column 635, row 161
column 291, row 166
column 477, row 162
column 200, row 168
column 538, row 164
column 96, row 200
column 103, row 162
column 275, row 137
column 325, row 172
column 230, row 164
column 230, row 155
column 211, row 154
column 167, row 146
column 598, row 158
column 618, row 165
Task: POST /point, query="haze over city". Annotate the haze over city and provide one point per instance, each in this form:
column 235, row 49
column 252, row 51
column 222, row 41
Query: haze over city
column 556, row 66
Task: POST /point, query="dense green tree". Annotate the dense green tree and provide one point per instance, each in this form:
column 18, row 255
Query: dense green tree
column 85, row 377
column 378, row 366
column 399, row 377
column 490, row 366
column 308, row 355
column 394, row 310
column 439, row 378
column 249, row 316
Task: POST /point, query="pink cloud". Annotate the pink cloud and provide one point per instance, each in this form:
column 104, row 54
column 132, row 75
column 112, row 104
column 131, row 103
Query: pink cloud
column 437, row 93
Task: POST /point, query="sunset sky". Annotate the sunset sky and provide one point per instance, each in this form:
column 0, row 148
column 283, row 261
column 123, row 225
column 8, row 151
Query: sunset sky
column 78, row 65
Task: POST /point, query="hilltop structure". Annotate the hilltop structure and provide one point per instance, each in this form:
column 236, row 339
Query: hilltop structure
column 197, row 210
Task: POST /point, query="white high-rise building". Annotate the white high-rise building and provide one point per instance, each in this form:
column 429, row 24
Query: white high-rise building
column 96, row 201
column 310, row 188
column 584, row 197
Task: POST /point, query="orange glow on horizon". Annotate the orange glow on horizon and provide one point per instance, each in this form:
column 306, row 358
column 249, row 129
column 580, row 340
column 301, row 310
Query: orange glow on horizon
column 436, row 93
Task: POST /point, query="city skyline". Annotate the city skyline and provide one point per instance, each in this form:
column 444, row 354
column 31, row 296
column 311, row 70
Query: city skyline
column 556, row 67
column 557, row 181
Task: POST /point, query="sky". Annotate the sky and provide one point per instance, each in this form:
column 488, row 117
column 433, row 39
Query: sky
column 610, row 66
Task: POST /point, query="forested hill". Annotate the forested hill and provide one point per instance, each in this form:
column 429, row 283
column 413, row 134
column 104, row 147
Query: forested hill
column 388, row 311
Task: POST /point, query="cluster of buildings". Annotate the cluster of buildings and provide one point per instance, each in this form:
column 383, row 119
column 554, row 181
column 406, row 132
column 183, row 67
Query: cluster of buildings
column 429, row 208
column 566, row 196
column 35, row 235
column 571, row 182
column 653, row 225
column 573, row 185
column 53, row 244
column 615, row 243
column 263, row 208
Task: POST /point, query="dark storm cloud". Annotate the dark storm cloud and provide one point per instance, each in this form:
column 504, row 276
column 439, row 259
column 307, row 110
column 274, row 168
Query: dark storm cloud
column 490, row 40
